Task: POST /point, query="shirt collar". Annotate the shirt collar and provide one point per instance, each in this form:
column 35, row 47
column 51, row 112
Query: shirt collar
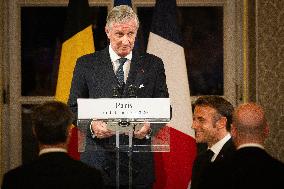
column 216, row 148
column 48, row 150
column 114, row 57
column 251, row 145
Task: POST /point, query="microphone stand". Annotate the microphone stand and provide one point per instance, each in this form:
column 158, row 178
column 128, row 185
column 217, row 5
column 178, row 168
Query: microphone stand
column 132, row 94
column 116, row 93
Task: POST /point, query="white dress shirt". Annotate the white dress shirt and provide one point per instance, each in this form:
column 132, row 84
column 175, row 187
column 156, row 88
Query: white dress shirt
column 216, row 148
column 114, row 59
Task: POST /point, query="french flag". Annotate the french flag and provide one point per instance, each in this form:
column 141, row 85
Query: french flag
column 173, row 169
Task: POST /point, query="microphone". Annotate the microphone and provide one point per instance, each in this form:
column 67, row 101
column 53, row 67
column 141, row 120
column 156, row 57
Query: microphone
column 132, row 91
column 116, row 91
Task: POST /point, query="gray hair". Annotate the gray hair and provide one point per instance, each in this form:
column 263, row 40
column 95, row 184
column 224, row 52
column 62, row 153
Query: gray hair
column 121, row 14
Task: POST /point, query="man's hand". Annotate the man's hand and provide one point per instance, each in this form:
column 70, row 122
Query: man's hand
column 100, row 129
column 141, row 133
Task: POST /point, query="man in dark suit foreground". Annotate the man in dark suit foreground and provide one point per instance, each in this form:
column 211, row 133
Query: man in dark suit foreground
column 111, row 73
column 53, row 168
column 212, row 119
column 250, row 166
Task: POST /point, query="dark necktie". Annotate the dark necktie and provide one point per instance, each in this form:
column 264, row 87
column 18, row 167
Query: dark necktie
column 120, row 73
column 208, row 155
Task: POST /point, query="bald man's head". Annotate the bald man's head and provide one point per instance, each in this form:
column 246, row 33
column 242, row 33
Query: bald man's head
column 249, row 115
column 249, row 124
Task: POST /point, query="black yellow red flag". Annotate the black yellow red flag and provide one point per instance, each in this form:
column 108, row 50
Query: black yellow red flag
column 77, row 41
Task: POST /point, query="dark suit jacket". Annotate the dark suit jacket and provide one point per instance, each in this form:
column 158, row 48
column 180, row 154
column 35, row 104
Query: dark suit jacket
column 200, row 167
column 249, row 167
column 94, row 78
column 54, row 170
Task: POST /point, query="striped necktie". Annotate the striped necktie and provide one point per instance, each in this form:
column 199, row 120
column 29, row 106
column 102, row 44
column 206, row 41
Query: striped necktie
column 120, row 72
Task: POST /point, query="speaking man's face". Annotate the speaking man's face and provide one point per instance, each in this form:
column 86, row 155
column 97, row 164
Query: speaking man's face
column 122, row 37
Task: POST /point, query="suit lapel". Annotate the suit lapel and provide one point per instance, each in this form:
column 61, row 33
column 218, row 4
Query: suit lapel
column 227, row 150
column 106, row 73
column 134, row 66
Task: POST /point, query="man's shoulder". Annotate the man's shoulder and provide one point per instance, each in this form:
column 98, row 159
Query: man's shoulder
column 151, row 56
column 63, row 164
column 227, row 151
column 12, row 178
column 85, row 172
column 229, row 146
column 93, row 56
column 17, row 172
column 69, row 170
column 80, row 165
column 151, row 61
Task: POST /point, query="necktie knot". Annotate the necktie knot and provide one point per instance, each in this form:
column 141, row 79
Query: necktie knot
column 122, row 61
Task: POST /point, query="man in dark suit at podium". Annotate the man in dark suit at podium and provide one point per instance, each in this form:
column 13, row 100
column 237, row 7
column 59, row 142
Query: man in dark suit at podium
column 111, row 73
column 53, row 168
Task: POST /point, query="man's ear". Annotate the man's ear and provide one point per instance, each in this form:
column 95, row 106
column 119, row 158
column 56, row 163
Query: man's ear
column 234, row 135
column 107, row 30
column 222, row 122
column 233, row 130
column 266, row 130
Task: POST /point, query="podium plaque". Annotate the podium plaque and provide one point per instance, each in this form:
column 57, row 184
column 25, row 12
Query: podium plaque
column 123, row 116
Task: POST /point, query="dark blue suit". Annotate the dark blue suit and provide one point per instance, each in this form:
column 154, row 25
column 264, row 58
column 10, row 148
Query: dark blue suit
column 54, row 170
column 249, row 167
column 94, row 78
column 253, row 167
column 201, row 167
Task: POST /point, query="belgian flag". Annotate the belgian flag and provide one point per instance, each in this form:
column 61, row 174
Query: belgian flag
column 77, row 41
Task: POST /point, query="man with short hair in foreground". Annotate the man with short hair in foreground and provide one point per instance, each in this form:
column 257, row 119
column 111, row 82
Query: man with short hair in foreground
column 53, row 169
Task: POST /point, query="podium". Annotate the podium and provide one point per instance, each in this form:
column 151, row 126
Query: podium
column 123, row 116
